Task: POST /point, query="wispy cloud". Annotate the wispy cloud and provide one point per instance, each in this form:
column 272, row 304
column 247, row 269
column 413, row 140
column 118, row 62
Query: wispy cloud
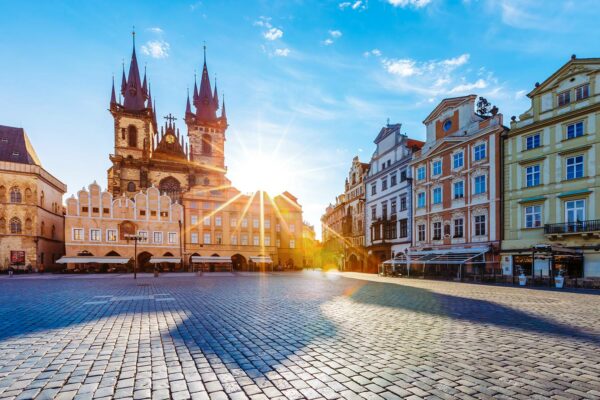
column 273, row 34
column 354, row 5
column 409, row 3
column 156, row 48
column 156, row 29
column 374, row 52
column 333, row 35
column 282, row 52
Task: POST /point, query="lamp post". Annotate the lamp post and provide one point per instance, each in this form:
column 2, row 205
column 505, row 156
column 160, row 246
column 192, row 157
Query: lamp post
column 136, row 239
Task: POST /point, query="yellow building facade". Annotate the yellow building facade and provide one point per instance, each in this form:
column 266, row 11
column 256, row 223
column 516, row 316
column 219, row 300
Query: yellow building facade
column 551, row 177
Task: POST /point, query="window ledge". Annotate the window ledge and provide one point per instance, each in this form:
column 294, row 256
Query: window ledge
column 573, row 138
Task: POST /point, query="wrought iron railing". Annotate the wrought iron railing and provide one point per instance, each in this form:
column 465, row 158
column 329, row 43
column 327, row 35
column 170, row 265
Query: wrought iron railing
column 573, row 227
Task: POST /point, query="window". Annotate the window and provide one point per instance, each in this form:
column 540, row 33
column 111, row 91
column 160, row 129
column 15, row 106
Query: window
column 132, row 136
column 582, row 92
column 373, row 189
column 393, row 179
column 421, row 232
column 479, row 225
column 384, row 184
column 575, row 211
column 245, row 223
column 437, row 168
column 218, row 220
column 206, row 221
column 437, row 195
column 206, row 205
column 421, row 200
column 255, row 223
column 77, row 232
column 384, row 210
column 564, row 98
column 194, row 220
column 458, row 160
column 420, row 173
column 575, row 167
column 403, row 175
column 143, row 236
column 267, row 240
column 233, row 222
column 292, row 228
column 255, row 240
column 15, row 195
column 111, row 235
column 206, row 238
column 173, row 238
column 393, row 206
column 533, row 216
column 575, row 130
column 267, row 223
column 437, row 231
column 447, row 125
column 131, row 187
column 194, row 238
column 479, row 152
column 459, row 227
column 533, row 141
column 480, row 186
column 292, row 244
column 403, row 203
column 95, row 235
column 277, row 227
column 234, row 240
column 244, row 240
column 373, row 212
column 157, row 237
column 206, row 144
column 218, row 238
column 142, row 212
column 532, row 175
column 459, row 189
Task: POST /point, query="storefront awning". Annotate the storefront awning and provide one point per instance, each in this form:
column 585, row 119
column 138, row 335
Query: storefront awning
column 446, row 256
column 261, row 260
column 171, row 260
column 93, row 260
column 211, row 260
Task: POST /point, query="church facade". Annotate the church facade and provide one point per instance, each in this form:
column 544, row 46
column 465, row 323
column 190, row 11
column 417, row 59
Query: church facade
column 220, row 222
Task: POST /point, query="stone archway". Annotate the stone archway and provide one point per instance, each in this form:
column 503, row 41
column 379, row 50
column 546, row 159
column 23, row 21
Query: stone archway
column 239, row 262
column 143, row 262
column 353, row 263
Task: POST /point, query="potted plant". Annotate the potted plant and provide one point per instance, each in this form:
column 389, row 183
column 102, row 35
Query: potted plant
column 559, row 281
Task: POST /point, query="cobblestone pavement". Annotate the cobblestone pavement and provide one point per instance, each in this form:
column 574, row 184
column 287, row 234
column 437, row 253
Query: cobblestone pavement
column 294, row 336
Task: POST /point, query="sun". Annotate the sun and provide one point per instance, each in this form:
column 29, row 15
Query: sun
column 259, row 170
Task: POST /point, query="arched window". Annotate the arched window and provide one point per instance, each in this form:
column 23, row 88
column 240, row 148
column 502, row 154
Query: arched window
column 42, row 228
column 28, row 226
column 15, row 195
column 15, row 225
column 53, row 232
column 132, row 136
column 206, row 144
column 28, row 196
column 42, row 199
column 170, row 187
column 131, row 187
column 206, row 181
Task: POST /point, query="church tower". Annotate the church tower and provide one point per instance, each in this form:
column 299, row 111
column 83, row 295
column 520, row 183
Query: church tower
column 206, row 130
column 135, row 127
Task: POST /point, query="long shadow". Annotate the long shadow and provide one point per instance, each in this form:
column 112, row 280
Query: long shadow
column 251, row 324
column 462, row 308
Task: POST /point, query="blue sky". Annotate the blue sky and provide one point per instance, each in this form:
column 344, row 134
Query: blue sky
column 313, row 81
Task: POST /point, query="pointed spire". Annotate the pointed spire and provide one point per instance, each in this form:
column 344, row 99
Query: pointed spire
column 145, row 83
column 113, row 97
column 134, row 92
column 149, row 94
column 123, row 80
column 216, row 96
column 154, row 115
column 205, row 109
column 223, row 112
column 195, row 98
column 188, row 107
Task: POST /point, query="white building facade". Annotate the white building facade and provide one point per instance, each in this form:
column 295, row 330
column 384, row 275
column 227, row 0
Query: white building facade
column 388, row 203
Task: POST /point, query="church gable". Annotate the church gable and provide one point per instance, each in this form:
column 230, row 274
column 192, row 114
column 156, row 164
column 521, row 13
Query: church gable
column 170, row 142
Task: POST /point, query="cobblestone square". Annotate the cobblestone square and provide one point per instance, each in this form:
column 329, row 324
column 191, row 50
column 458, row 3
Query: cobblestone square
column 293, row 336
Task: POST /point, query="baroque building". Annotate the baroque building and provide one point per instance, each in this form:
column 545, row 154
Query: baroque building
column 31, row 216
column 457, row 192
column 332, row 223
column 388, row 188
column 551, row 177
column 353, row 225
column 221, row 226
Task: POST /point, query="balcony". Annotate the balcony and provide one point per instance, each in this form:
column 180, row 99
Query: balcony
column 588, row 229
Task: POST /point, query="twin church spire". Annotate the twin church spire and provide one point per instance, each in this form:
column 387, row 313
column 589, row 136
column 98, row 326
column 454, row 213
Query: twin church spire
column 136, row 95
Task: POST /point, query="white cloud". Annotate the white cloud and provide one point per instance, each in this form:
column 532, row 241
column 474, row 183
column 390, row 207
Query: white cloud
column 264, row 22
column 273, row 34
column 335, row 34
column 468, row 87
column 282, row 52
column 374, row 52
column 403, row 67
column 354, row 5
column 156, row 48
column 520, row 94
column 327, row 42
column 156, row 30
column 409, row 3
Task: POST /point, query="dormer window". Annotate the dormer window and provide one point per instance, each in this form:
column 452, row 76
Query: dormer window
column 582, row 92
column 447, row 125
column 564, row 98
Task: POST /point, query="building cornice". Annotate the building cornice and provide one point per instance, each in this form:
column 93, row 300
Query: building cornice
column 536, row 125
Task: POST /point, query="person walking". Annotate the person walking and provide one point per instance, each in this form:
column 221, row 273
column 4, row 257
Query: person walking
column 10, row 271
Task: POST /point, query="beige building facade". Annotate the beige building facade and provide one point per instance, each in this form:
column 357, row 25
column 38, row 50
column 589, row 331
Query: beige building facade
column 31, row 212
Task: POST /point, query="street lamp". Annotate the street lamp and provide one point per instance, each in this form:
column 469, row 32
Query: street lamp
column 136, row 239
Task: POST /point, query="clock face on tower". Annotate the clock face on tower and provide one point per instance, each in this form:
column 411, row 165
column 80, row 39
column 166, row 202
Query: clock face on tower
column 170, row 139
